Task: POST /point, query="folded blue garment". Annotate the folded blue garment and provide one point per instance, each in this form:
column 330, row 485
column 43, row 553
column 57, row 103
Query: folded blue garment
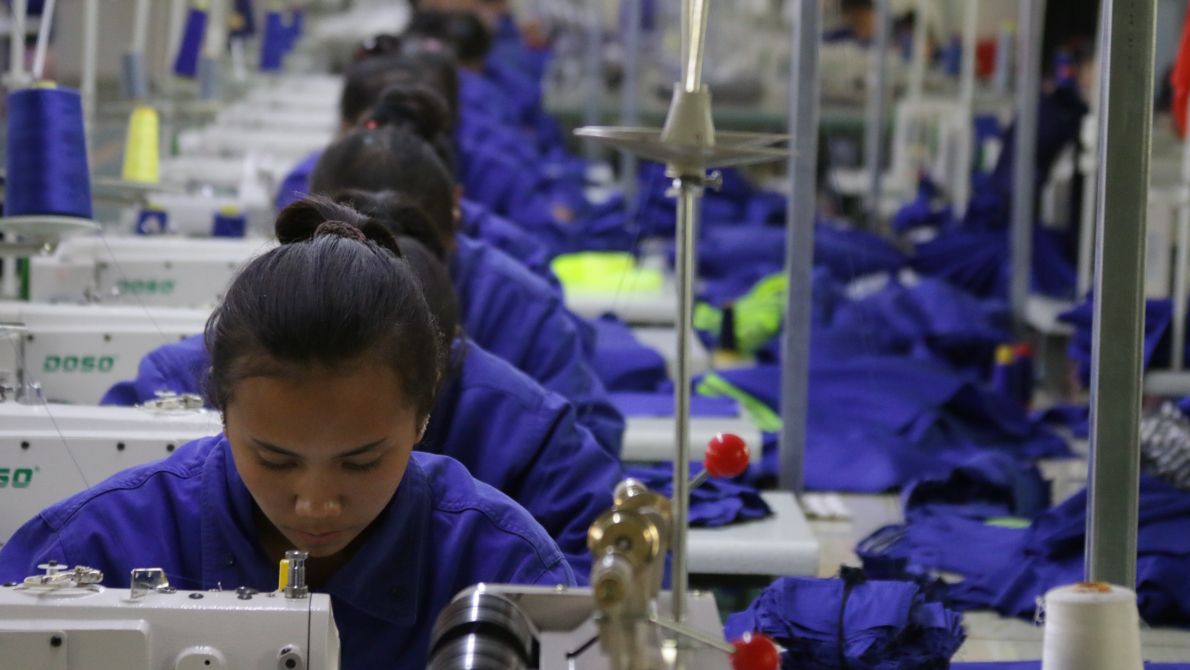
column 851, row 623
column 717, row 502
column 978, row 261
column 1075, row 418
column 928, row 209
column 1158, row 317
column 991, row 484
column 622, row 362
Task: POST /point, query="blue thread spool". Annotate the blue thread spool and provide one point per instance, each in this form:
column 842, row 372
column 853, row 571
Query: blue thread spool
column 273, row 48
column 294, row 30
column 152, row 221
column 46, row 165
column 186, row 63
column 247, row 19
column 229, row 222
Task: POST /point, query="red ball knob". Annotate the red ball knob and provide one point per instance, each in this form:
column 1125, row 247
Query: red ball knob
column 755, row 651
column 727, row 456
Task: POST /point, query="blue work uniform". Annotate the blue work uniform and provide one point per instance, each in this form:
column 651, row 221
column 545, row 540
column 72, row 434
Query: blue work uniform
column 518, row 317
column 191, row 515
column 507, row 430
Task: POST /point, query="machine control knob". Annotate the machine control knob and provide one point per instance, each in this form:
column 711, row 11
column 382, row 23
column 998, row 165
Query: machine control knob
column 727, row 456
column 755, row 651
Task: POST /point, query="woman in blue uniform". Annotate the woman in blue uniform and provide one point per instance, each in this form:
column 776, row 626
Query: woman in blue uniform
column 507, row 430
column 506, row 309
column 325, row 363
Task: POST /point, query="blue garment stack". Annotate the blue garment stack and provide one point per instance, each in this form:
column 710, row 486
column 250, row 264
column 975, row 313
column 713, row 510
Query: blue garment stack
column 46, row 162
column 190, row 46
column 1158, row 318
column 850, row 623
column 716, row 502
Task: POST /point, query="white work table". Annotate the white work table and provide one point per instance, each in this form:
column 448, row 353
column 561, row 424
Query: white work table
column 780, row 546
column 651, row 439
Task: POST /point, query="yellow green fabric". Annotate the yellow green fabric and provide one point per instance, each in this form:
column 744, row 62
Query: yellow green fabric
column 708, row 319
column 714, row 386
column 604, row 272
column 1008, row 522
column 759, row 313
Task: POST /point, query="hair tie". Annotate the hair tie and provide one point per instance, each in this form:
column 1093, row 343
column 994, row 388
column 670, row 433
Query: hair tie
column 340, row 229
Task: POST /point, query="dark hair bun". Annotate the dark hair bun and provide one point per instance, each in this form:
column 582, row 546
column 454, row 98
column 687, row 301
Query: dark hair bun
column 316, row 216
column 339, row 229
column 414, row 107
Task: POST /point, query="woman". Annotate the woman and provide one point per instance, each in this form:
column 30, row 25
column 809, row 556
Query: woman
column 325, row 361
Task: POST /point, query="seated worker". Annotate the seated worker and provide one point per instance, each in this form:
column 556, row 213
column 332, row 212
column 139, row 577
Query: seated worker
column 325, row 361
column 507, row 430
column 506, row 309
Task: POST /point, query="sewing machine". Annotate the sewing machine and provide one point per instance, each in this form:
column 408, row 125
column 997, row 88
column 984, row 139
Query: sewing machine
column 63, row 620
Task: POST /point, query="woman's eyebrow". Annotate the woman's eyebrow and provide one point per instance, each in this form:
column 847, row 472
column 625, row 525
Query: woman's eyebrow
column 363, row 449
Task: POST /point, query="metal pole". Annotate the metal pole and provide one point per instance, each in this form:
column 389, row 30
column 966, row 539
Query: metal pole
column 630, row 92
column 799, row 242
column 689, row 193
column 1182, row 255
column 877, row 111
column 594, row 74
column 917, row 71
column 90, row 56
column 693, row 42
column 43, row 39
column 1032, row 15
column 140, row 27
column 1127, row 36
column 16, row 45
column 967, row 100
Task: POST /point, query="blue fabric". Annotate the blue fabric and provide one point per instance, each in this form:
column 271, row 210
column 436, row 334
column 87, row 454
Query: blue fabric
column 1036, row 665
column 515, row 315
column 622, row 362
column 979, row 262
column 482, row 224
column 989, row 485
column 882, row 625
column 297, row 181
column 192, row 516
column 717, row 502
column 928, row 209
column 661, row 403
column 507, row 430
column 1075, row 418
column 880, row 422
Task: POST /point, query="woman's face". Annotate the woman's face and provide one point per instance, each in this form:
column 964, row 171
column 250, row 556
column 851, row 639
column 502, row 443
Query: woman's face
column 321, row 452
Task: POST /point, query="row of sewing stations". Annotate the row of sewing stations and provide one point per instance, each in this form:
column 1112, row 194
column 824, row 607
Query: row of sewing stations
column 881, row 410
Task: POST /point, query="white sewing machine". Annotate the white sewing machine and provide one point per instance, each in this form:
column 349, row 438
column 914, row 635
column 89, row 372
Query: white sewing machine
column 158, row 271
column 63, row 620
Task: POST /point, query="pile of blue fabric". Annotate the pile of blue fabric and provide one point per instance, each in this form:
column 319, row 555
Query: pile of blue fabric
column 716, row 502
column 1036, row 665
column 1011, row 554
column 1158, row 317
column 852, row 623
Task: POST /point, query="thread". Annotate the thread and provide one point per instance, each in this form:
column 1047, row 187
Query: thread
column 1091, row 626
column 47, row 168
column 152, row 220
column 190, row 46
column 141, row 153
column 229, row 222
column 272, row 49
column 134, row 83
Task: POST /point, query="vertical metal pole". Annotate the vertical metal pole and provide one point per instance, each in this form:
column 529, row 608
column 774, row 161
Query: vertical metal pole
column 1032, row 15
column 140, row 27
column 917, row 69
column 43, row 39
column 967, row 100
column 90, row 56
column 16, row 45
column 593, row 54
column 689, row 192
column 877, row 111
column 1086, row 234
column 630, row 91
column 1125, row 130
column 799, row 241
column 1181, row 257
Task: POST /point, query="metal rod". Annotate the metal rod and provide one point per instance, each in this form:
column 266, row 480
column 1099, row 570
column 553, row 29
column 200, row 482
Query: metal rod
column 917, row 70
column 593, row 66
column 216, row 37
column 1127, row 30
column 630, row 92
column 689, row 192
column 140, row 27
column 693, row 634
column 799, row 241
column 1181, row 258
column 90, row 58
column 43, row 39
column 967, row 100
column 694, row 41
column 877, row 111
column 1086, row 233
column 16, row 43
column 1032, row 15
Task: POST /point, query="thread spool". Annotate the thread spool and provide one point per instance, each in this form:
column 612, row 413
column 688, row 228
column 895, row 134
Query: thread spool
column 190, row 46
column 141, row 154
column 1091, row 626
column 272, row 49
column 47, row 170
column 229, row 222
column 134, row 81
column 152, row 220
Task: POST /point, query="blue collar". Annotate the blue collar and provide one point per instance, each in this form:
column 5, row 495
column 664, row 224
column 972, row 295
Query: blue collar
column 383, row 579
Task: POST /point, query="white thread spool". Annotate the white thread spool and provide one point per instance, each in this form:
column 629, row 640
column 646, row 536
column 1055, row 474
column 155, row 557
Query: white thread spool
column 1091, row 626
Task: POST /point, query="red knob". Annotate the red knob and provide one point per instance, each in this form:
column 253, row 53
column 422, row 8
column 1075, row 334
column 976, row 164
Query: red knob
column 727, row 456
column 755, row 651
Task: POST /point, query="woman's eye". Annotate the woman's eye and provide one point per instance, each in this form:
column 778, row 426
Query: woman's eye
column 273, row 465
column 361, row 467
